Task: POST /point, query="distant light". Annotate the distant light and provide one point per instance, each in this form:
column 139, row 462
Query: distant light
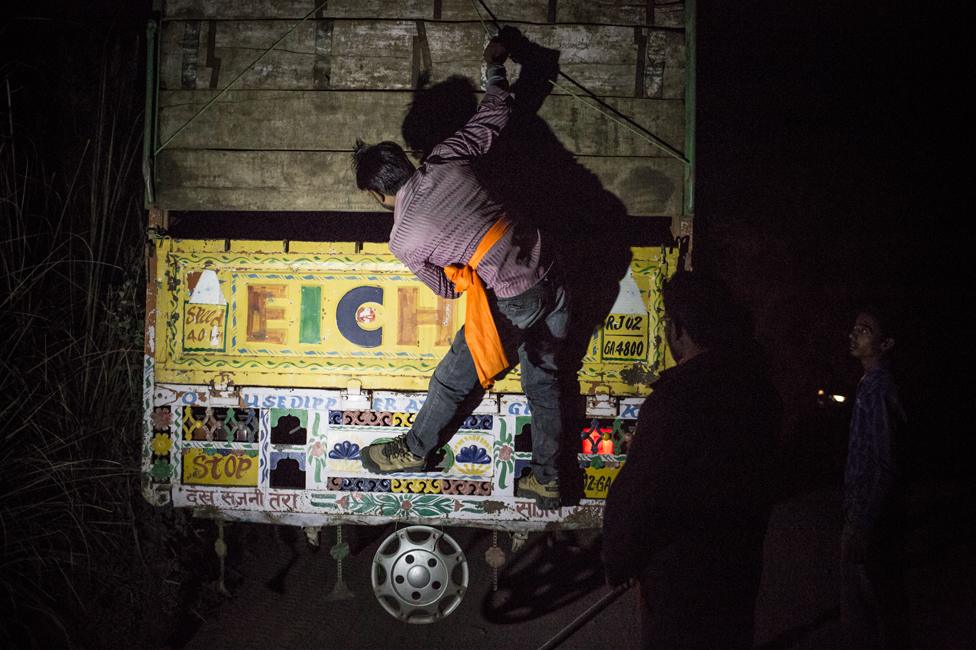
column 820, row 392
column 840, row 399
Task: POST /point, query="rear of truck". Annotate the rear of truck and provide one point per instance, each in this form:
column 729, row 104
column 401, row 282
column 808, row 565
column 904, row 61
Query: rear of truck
column 271, row 362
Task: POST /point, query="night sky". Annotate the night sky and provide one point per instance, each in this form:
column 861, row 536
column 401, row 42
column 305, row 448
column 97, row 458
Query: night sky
column 829, row 138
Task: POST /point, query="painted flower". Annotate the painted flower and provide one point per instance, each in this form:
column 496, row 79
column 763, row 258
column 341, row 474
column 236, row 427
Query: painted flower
column 316, row 449
column 161, row 470
column 473, row 454
column 343, row 501
column 457, row 505
column 345, row 450
column 161, row 444
column 161, row 418
column 505, row 452
column 406, row 505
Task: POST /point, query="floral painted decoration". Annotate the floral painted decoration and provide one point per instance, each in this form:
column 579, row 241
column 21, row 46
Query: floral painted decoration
column 161, row 444
column 504, row 452
column 161, row 470
column 345, row 450
column 161, row 418
column 473, row 454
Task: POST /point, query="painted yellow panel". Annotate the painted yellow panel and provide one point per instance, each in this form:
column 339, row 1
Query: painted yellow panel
column 204, row 327
column 328, row 248
column 322, row 316
column 200, row 245
column 257, row 246
column 624, row 337
column 374, row 247
column 596, row 482
column 219, row 467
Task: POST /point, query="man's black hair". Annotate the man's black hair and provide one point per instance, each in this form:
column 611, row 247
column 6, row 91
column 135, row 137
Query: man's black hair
column 888, row 316
column 382, row 167
column 704, row 308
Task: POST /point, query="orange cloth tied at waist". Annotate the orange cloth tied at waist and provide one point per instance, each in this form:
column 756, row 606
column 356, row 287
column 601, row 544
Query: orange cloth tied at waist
column 479, row 325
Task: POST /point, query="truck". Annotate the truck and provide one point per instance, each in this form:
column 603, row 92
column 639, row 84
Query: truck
column 282, row 336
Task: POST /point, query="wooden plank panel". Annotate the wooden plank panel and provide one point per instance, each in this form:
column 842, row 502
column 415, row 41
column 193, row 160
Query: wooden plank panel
column 373, row 54
column 389, row 55
column 618, row 12
column 258, row 180
column 222, row 50
column 507, row 11
column 615, row 12
column 621, row 12
column 275, row 119
column 669, row 13
column 289, row 180
column 329, row 120
column 296, row 9
column 584, row 131
column 602, row 59
column 664, row 64
column 647, row 186
column 457, row 48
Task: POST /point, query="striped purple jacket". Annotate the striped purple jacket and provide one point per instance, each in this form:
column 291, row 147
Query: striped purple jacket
column 443, row 211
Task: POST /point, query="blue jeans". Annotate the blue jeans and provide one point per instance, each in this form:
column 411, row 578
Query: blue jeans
column 533, row 328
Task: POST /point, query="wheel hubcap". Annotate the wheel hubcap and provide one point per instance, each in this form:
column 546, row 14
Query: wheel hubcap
column 419, row 574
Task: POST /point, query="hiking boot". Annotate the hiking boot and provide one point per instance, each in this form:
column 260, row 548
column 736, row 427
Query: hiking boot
column 391, row 457
column 546, row 495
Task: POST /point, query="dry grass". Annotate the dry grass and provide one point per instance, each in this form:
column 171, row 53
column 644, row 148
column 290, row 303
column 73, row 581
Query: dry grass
column 79, row 544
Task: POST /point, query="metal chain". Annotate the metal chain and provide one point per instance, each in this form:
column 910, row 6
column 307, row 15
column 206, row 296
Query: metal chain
column 494, row 570
column 339, row 553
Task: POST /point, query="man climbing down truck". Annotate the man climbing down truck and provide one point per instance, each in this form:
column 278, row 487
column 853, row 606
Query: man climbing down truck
column 457, row 238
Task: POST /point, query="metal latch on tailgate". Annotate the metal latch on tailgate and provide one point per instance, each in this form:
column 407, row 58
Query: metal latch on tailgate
column 600, row 403
column 353, row 398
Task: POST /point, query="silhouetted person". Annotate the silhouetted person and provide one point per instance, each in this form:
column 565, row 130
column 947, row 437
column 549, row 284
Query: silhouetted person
column 451, row 232
column 873, row 607
column 687, row 514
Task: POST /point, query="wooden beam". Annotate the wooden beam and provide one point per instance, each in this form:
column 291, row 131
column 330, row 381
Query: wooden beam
column 607, row 12
column 379, row 55
column 332, row 120
column 301, row 181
